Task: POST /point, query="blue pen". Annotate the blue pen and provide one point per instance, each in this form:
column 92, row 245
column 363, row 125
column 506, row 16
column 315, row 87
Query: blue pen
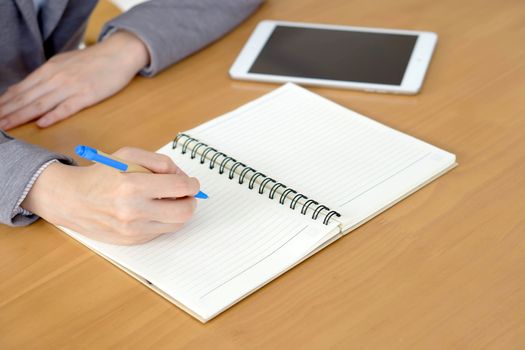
column 103, row 158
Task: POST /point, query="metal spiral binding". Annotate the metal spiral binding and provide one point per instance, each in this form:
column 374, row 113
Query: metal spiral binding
column 213, row 161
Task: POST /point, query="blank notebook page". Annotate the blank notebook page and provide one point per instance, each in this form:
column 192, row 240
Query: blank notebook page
column 329, row 153
column 237, row 240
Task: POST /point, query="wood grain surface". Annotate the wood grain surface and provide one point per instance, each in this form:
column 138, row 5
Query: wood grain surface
column 443, row 269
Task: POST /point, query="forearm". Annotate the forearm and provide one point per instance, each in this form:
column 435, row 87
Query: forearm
column 174, row 29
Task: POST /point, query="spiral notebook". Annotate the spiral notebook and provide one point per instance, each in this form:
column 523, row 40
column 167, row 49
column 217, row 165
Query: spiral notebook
column 287, row 174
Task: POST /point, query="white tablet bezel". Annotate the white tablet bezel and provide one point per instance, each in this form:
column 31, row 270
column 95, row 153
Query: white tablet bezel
column 411, row 83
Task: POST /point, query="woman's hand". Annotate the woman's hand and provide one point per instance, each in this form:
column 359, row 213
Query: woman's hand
column 120, row 208
column 74, row 80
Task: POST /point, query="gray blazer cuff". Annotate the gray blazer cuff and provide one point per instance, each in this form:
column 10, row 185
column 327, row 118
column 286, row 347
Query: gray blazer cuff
column 174, row 29
column 19, row 162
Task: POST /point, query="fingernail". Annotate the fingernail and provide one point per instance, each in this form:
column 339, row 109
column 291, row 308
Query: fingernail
column 42, row 122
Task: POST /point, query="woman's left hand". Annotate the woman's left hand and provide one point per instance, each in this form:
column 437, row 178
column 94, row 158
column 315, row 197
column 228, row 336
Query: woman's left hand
column 73, row 80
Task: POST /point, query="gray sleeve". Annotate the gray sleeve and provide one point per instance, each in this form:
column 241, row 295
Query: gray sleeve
column 174, row 29
column 19, row 162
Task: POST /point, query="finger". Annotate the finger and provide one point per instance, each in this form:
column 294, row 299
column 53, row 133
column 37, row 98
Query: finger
column 34, row 110
column 158, row 163
column 31, row 80
column 171, row 211
column 165, row 185
column 21, row 100
column 64, row 110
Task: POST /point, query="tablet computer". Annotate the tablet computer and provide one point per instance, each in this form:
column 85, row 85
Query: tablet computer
column 371, row 59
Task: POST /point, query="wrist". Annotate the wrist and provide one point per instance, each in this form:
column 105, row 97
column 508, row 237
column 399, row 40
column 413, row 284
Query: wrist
column 47, row 189
column 129, row 50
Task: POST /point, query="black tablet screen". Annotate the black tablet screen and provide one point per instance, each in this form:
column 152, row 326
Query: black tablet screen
column 366, row 57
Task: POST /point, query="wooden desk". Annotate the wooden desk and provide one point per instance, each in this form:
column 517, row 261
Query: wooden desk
column 443, row 269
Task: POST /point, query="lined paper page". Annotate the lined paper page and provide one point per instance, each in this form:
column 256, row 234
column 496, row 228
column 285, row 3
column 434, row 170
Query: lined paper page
column 237, row 241
column 325, row 151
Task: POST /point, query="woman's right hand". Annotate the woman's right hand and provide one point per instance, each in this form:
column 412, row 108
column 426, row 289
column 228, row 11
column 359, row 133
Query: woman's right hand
column 119, row 208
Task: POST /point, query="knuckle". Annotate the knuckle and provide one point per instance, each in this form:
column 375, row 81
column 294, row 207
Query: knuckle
column 66, row 108
column 59, row 79
column 165, row 163
column 56, row 81
column 21, row 100
column 39, row 107
column 127, row 188
column 125, row 215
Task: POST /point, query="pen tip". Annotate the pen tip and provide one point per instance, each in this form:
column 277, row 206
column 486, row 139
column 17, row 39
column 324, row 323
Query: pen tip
column 201, row 195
